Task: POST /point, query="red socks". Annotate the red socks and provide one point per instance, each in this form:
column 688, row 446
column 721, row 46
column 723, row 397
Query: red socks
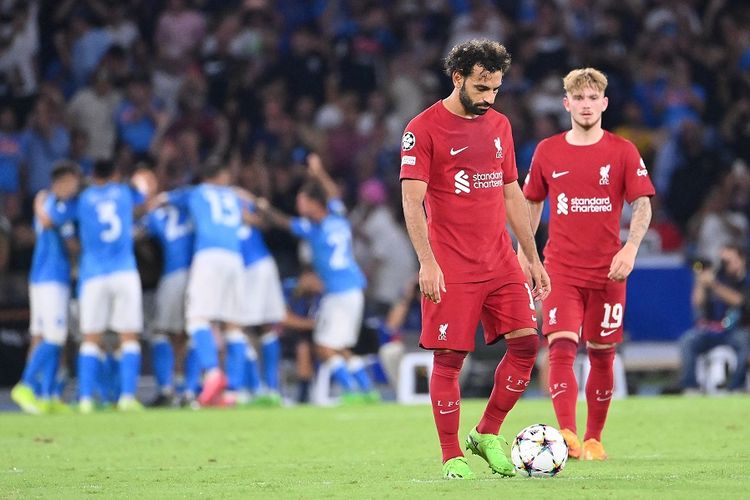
column 599, row 388
column 563, row 387
column 446, row 400
column 511, row 378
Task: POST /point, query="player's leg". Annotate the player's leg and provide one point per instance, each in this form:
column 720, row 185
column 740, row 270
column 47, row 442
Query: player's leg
column 54, row 337
column 95, row 305
column 739, row 341
column 44, row 309
column 508, row 312
column 351, row 309
column 127, row 321
column 562, row 319
column 332, row 335
column 602, row 330
column 205, row 293
column 169, row 318
column 448, row 328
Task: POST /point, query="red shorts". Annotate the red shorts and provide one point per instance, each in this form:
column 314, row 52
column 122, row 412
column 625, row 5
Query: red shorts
column 596, row 313
column 502, row 304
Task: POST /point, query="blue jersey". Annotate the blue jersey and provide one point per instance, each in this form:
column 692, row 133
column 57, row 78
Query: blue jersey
column 332, row 254
column 50, row 260
column 252, row 243
column 105, row 224
column 216, row 212
column 174, row 230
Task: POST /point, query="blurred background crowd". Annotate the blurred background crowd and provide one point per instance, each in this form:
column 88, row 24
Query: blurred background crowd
column 168, row 84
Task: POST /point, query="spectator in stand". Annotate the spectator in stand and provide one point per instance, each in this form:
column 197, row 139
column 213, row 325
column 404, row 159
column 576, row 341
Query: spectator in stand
column 139, row 116
column 44, row 142
column 92, row 109
column 180, row 30
column 10, row 165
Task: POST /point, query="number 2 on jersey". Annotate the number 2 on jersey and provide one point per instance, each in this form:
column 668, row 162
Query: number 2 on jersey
column 106, row 213
column 340, row 243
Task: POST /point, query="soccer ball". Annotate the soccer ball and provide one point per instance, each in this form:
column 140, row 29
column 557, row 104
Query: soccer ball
column 539, row 451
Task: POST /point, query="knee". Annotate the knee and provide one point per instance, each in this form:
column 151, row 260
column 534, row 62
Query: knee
column 450, row 361
column 525, row 347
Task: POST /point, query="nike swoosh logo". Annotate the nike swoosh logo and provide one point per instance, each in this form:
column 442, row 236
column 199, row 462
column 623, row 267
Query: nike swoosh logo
column 454, row 152
column 603, row 399
column 554, row 395
column 512, row 389
column 607, row 334
column 555, row 175
column 444, row 412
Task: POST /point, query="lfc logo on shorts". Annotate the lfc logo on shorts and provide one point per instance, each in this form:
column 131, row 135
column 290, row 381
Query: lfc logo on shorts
column 443, row 332
column 553, row 316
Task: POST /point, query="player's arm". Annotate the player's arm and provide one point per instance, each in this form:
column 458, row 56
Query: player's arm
column 431, row 279
column 318, row 171
column 624, row 260
column 39, row 210
column 520, row 222
column 273, row 216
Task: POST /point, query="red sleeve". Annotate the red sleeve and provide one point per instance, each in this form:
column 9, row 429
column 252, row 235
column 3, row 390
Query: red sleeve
column 637, row 181
column 510, row 171
column 416, row 151
column 535, row 188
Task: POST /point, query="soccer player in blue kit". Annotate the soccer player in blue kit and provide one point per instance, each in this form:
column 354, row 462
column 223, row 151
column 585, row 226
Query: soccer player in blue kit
column 173, row 229
column 324, row 226
column 49, row 295
column 110, row 295
column 215, row 291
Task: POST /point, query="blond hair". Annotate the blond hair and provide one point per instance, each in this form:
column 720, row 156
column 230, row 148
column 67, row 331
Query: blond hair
column 585, row 77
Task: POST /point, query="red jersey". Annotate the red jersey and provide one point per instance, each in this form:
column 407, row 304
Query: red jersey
column 586, row 186
column 465, row 163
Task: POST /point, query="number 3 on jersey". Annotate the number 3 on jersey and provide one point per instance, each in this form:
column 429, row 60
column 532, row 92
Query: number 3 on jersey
column 106, row 214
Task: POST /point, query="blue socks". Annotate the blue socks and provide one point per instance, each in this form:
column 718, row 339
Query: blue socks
column 271, row 348
column 340, row 374
column 88, row 369
column 205, row 346
column 359, row 373
column 130, row 368
column 252, row 375
column 163, row 362
column 234, row 362
column 45, row 354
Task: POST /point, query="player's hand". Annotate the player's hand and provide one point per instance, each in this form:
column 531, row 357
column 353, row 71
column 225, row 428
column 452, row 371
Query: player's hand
column 622, row 263
column 314, row 164
column 540, row 280
column 525, row 266
column 431, row 280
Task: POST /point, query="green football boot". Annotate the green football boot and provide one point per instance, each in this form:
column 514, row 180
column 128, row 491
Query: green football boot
column 372, row 396
column 58, row 407
column 489, row 447
column 270, row 400
column 129, row 405
column 23, row 396
column 457, row 468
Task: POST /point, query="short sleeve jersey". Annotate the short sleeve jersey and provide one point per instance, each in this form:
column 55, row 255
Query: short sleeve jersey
column 587, row 186
column 105, row 223
column 173, row 228
column 466, row 163
column 50, row 260
column 216, row 212
column 332, row 253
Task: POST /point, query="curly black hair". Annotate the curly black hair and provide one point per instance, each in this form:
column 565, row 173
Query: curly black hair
column 492, row 56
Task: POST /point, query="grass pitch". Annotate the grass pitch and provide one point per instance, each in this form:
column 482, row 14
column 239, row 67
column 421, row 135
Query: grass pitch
column 659, row 448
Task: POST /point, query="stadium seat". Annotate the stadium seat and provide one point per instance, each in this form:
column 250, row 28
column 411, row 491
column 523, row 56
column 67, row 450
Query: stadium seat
column 407, row 377
column 582, row 368
column 714, row 366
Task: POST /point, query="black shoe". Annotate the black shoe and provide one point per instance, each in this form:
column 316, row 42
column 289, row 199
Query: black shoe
column 160, row 401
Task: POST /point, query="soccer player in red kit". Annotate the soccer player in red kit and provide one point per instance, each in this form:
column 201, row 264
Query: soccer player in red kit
column 458, row 178
column 587, row 173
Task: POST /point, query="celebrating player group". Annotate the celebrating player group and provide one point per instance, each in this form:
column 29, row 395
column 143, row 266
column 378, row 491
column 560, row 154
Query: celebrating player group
column 459, row 185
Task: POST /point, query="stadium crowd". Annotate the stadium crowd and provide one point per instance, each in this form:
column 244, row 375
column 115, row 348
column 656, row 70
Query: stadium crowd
column 169, row 86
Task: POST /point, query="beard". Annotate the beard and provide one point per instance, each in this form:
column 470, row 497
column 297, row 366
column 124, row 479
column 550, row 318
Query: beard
column 588, row 126
column 471, row 107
